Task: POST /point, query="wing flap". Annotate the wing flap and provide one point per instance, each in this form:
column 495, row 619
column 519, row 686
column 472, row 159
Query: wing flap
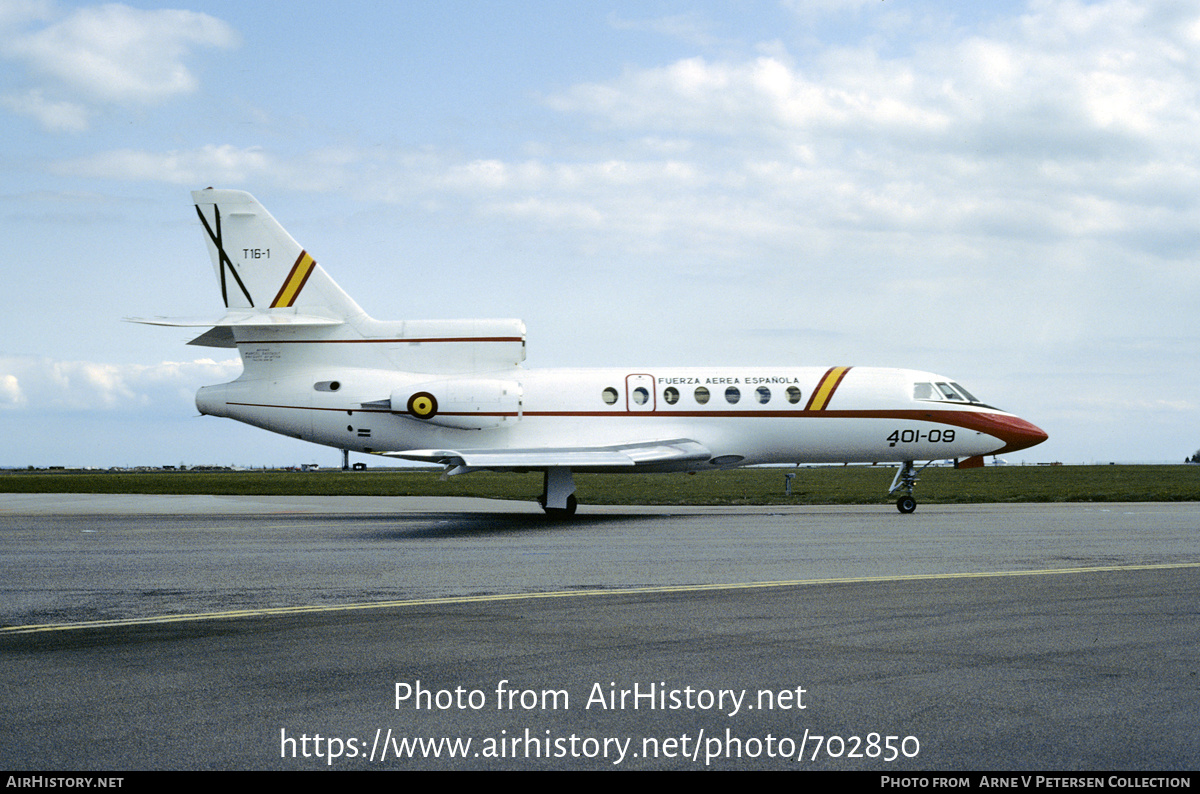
column 648, row 453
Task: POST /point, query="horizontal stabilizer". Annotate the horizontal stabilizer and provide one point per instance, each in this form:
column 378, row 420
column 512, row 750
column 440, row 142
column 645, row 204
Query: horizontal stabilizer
column 650, row 453
column 249, row 319
column 220, row 330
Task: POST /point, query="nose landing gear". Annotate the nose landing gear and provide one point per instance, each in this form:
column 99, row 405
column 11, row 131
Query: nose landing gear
column 904, row 480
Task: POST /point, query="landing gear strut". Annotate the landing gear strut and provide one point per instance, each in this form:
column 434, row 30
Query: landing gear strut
column 558, row 492
column 904, row 480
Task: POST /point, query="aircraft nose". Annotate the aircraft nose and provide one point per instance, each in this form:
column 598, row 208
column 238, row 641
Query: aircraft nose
column 1016, row 433
column 1024, row 435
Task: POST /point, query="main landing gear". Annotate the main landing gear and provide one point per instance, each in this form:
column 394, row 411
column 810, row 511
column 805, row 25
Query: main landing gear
column 558, row 493
column 904, row 480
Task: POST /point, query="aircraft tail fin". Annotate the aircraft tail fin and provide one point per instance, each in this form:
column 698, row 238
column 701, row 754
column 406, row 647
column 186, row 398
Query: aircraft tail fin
column 258, row 264
column 275, row 293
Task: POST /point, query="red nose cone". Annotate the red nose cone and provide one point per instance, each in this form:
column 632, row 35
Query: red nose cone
column 1014, row 431
column 1023, row 435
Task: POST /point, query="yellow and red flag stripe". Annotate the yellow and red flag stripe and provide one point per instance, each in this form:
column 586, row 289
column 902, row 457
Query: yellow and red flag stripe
column 294, row 281
column 825, row 388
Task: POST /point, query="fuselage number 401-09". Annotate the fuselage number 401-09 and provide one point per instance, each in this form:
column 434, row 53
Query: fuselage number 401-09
column 910, row 436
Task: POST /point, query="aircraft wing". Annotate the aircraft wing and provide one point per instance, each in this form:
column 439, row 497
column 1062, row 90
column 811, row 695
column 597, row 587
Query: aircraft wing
column 646, row 453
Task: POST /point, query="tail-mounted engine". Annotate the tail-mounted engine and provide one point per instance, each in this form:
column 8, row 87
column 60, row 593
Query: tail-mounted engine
column 466, row 403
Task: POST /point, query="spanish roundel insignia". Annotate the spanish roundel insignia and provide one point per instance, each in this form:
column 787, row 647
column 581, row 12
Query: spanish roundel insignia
column 422, row 405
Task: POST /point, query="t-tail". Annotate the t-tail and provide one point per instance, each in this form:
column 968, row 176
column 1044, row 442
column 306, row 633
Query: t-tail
column 282, row 309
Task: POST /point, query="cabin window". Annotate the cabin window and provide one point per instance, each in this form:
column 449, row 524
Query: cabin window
column 609, row 395
column 640, row 395
column 763, row 395
column 732, row 395
column 923, row 391
column 793, row 394
column 701, row 395
column 671, row 395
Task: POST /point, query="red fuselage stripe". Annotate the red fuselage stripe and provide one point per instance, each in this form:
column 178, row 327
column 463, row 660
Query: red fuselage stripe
column 1014, row 431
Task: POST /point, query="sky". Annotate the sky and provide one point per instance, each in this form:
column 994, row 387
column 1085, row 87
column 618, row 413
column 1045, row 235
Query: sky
column 1005, row 193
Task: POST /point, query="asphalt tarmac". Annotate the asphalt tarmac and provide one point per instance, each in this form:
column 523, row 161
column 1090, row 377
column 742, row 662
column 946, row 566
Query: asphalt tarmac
column 360, row 633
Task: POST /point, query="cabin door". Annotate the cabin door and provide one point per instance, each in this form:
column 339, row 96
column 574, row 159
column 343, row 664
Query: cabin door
column 639, row 393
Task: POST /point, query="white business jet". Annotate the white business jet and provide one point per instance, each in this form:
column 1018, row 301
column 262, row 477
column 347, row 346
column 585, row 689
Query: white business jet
column 454, row 392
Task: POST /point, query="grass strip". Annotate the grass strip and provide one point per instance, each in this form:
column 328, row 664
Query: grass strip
column 752, row 486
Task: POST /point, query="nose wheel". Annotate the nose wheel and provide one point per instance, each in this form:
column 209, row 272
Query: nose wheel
column 904, row 480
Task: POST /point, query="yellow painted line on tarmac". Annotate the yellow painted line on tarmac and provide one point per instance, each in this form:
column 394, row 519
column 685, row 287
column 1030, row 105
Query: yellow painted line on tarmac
column 664, row 589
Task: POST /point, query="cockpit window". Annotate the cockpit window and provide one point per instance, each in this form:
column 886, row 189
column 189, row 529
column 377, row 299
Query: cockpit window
column 948, row 392
column 970, row 397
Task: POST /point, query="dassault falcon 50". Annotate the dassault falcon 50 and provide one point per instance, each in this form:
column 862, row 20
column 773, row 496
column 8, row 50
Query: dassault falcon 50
column 455, row 393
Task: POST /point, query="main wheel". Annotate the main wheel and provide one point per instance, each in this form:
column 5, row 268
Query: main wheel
column 569, row 510
column 906, row 504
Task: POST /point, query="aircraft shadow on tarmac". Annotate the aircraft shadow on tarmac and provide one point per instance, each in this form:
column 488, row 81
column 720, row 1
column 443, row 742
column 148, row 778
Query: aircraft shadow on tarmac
column 417, row 526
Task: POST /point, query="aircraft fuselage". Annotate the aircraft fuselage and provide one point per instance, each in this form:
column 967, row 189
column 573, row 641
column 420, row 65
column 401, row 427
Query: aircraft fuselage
column 742, row 416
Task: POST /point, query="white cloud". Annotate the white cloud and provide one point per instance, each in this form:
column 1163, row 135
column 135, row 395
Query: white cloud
column 227, row 165
column 56, row 116
column 1070, row 120
column 15, row 13
column 108, row 54
column 48, row 385
column 1046, row 77
column 10, row 392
